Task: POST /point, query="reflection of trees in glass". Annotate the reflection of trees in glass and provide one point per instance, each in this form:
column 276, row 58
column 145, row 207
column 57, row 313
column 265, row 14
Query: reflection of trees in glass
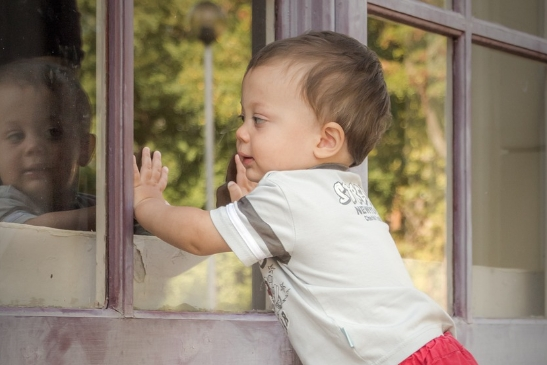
column 440, row 3
column 169, row 84
column 169, row 105
column 87, row 78
column 407, row 170
column 169, row 90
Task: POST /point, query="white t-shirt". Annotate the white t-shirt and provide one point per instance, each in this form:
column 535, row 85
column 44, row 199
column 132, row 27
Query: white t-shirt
column 336, row 280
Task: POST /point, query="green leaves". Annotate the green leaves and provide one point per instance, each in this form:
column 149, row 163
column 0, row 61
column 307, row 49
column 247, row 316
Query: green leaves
column 169, row 90
column 407, row 177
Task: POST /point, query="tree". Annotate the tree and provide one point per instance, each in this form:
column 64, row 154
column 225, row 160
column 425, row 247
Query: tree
column 169, row 91
column 407, row 169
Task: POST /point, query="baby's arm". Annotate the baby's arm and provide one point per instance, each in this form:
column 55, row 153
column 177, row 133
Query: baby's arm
column 78, row 219
column 190, row 229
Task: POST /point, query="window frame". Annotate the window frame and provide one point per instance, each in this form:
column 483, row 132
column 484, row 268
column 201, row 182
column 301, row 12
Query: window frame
column 481, row 335
column 118, row 330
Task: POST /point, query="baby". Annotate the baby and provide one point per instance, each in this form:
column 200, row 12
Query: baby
column 312, row 106
column 45, row 119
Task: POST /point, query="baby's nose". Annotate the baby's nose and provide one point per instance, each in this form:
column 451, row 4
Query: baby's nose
column 35, row 144
column 241, row 133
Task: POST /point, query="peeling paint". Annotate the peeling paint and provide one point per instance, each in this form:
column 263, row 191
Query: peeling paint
column 139, row 271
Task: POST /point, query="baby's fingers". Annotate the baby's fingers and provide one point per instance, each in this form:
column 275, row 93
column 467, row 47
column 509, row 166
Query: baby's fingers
column 242, row 181
column 156, row 167
column 235, row 191
column 146, row 165
column 241, row 175
column 159, row 173
column 162, row 183
column 136, row 173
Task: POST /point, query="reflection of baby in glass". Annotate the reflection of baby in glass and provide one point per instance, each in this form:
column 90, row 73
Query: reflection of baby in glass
column 44, row 138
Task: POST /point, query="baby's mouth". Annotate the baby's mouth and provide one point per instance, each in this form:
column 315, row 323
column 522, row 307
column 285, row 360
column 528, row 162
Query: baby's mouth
column 246, row 160
column 37, row 171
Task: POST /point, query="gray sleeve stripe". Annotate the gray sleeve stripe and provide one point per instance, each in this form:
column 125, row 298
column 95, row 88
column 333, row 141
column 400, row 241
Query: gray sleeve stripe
column 271, row 240
column 231, row 210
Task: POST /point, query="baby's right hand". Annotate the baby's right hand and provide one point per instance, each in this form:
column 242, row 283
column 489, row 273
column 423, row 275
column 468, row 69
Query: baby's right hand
column 151, row 180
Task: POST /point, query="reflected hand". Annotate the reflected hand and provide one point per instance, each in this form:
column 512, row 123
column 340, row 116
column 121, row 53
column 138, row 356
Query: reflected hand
column 242, row 186
column 151, row 180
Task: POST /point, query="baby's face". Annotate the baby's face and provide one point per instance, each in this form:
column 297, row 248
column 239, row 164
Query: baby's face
column 38, row 151
column 279, row 130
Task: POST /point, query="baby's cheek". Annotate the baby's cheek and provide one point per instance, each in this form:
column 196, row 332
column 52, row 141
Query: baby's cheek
column 64, row 151
column 65, row 161
column 9, row 168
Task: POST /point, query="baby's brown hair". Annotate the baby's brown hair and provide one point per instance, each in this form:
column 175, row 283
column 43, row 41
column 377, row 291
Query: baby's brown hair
column 342, row 81
column 61, row 81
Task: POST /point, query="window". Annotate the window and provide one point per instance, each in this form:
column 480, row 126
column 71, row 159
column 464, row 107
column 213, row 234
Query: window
column 407, row 171
column 525, row 16
column 508, row 189
column 441, row 3
column 49, row 139
column 491, row 110
column 169, row 116
column 495, row 134
column 113, row 329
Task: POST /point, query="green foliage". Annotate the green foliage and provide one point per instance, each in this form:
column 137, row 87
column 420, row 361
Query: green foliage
column 87, row 76
column 407, row 170
column 169, row 103
column 169, row 111
column 169, row 90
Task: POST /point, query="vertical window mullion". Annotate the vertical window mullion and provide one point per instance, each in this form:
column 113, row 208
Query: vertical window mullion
column 119, row 155
column 461, row 165
column 462, row 179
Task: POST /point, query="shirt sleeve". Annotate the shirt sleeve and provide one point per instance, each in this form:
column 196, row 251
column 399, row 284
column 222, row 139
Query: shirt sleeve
column 258, row 226
column 15, row 207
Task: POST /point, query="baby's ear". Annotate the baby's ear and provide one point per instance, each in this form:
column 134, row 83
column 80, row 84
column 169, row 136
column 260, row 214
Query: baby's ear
column 87, row 149
column 331, row 141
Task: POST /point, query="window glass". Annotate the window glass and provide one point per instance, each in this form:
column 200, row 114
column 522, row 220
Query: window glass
column 446, row 4
column 407, row 177
column 49, row 255
column 527, row 16
column 169, row 117
column 508, row 184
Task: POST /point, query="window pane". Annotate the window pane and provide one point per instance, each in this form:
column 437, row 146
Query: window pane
column 407, row 178
column 508, row 185
column 49, row 255
column 169, row 116
column 445, row 4
column 527, row 16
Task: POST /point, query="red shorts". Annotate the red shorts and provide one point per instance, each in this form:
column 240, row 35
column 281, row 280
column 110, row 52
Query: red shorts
column 443, row 350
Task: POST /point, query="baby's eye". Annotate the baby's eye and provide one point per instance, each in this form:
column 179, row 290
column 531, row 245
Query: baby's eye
column 15, row 137
column 258, row 120
column 241, row 117
column 55, row 133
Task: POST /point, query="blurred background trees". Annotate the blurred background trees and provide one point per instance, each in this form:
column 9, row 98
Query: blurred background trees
column 169, row 90
column 407, row 177
column 407, row 170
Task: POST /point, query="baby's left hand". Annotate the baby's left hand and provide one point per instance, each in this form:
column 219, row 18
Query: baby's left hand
column 242, row 186
column 151, row 180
